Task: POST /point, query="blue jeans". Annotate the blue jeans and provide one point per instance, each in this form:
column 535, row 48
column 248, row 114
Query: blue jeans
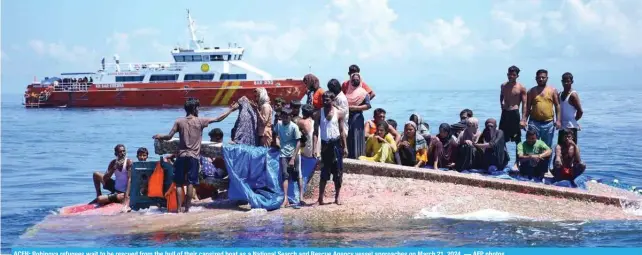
column 545, row 131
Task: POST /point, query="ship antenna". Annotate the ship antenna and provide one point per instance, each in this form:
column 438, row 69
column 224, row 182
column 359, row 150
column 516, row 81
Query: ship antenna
column 190, row 24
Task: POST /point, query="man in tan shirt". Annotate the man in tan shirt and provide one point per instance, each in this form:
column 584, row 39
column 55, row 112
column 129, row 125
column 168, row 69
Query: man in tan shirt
column 190, row 132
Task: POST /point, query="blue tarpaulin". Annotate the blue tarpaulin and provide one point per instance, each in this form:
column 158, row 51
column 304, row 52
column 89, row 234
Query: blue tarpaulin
column 255, row 178
column 307, row 170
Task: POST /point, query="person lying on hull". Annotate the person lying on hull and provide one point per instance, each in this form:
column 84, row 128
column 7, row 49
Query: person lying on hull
column 119, row 187
column 568, row 164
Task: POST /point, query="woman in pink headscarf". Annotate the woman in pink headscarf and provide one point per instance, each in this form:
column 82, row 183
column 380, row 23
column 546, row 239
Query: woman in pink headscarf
column 358, row 101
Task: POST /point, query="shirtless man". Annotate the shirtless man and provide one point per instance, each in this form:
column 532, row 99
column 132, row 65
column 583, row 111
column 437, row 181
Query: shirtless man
column 511, row 95
column 568, row 164
column 121, row 168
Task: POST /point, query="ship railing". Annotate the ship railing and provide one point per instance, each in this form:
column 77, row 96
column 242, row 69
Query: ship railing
column 72, row 87
column 134, row 67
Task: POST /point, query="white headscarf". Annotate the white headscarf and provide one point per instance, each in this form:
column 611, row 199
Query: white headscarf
column 263, row 96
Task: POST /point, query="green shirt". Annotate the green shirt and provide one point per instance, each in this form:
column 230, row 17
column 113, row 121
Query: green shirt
column 539, row 147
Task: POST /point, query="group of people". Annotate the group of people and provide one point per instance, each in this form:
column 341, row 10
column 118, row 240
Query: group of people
column 461, row 146
column 331, row 126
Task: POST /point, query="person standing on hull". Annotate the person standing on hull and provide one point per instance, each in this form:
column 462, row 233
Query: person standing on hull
column 190, row 133
column 329, row 129
column 571, row 109
column 511, row 96
column 346, row 84
column 340, row 101
column 265, row 122
column 358, row 101
column 315, row 98
column 289, row 141
column 543, row 109
column 121, row 168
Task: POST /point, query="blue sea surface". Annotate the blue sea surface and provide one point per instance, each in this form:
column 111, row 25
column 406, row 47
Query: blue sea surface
column 48, row 156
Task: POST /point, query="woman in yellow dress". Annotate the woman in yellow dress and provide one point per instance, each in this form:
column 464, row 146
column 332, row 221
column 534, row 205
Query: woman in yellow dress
column 380, row 147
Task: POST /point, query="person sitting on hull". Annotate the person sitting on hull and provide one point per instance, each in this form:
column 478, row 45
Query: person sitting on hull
column 492, row 144
column 212, row 168
column 120, row 168
column 533, row 155
column 371, row 126
column 142, row 154
column 567, row 165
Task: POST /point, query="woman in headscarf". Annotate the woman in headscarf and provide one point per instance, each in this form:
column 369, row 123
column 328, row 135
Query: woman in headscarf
column 245, row 128
column 412, row 149
column 493, row 147
column 468, row 156
column 381, row 146
column 449, row 154
column 422, row 127
column 358, row 101
column 315, row 92
column 264, row 117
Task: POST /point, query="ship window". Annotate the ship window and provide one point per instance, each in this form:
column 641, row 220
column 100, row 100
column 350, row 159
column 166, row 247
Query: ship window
column 199, row 77
column 240, row 56
column 206, row 57
column 229, row 57
column 196, row 58
column 130, row 78
column 179, row 58
column 227, row 76
column 165, row 77
column 216, row 57
column 188, row 58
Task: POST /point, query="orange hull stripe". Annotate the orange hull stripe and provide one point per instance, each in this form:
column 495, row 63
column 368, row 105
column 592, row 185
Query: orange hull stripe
column 230, row 92
column 219, row 93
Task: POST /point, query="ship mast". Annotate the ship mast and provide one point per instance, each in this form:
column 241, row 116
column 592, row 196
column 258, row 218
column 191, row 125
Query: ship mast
column 195, row 44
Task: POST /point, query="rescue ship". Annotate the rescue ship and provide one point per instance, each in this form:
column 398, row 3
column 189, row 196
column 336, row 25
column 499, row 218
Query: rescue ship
column 197, row 72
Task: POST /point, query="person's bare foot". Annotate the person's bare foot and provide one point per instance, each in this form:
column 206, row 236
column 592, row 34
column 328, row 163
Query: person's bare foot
column 285, row 204
column 338, row 202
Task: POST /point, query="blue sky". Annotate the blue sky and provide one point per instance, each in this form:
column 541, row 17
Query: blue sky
column 430, row 44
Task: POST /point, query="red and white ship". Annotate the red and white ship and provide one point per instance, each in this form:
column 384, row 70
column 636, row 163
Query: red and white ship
column 198, row 72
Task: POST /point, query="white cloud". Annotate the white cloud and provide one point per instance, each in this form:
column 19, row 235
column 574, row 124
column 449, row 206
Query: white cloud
column 372, row 29
column 121, row 41
column 249, row 25
column 616, row 23
column 444, row 36
column 612, row 25
column 62, row 52
column 282, row 47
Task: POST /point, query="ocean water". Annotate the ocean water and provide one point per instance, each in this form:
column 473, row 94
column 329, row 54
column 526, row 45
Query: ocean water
column 48, row 156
